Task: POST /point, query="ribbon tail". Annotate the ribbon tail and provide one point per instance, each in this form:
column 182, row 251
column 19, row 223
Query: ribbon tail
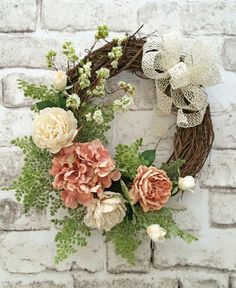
column 187, row 120
column 164, row 102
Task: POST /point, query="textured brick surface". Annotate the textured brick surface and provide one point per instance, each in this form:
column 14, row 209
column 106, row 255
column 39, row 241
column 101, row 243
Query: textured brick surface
column 14, row 123
column 13, row 96
column 18, row 15
column 220, row 171
column 28, row 29
column 209, row 17
column 225, row 138
column 177, row 252
column 11, row 160
column 13, row 218
column 15, row 256
column 222, row 207
column 229, row 58
column 97, row 12
column 116, row 264
column 125, row 282
column 161, row 15
column 44, row 280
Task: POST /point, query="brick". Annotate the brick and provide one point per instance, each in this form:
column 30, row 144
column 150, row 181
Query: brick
column 209, row 17
column 13, row 96
column 13, row 218
column 33, row 252
column 1, row 96
column 161, row 15
column 117, row 264
column 14, row 123
column 222, row 207
column 224, row 138
column 97, row 12
column 25, row 55
column 11, row 163
column 233, row 282
column 222, row 97
column 220, row 171
column 90, row 258
column 90, row 281
column 43, row 280
column 229, row 58
column 190, row 219
column 18, row 15
column 216, row 255
column 202, row 279
column 131, row 125
column 145, row 97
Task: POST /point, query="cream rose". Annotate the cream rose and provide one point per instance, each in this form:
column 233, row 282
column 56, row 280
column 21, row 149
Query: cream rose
column 60, row 80
column 54, row 128
column 107, row 212
column 156, row 233
column 186, row 183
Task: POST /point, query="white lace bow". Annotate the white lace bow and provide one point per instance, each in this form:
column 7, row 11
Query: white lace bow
column 180, row 76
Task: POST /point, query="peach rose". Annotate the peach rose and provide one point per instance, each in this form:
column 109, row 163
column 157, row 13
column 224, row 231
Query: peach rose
column 151, row 188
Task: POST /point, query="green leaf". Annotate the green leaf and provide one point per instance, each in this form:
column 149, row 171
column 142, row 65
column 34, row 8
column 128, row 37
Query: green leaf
column 128, row 158
column 125, row 191
column 72, row 233
column 34, row 184
column 124, row 237
column 45, row 104
column 149, row 157
column 61, row 101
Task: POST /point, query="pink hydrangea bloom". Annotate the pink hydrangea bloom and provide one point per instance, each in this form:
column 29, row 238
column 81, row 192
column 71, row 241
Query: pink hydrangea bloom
column 83, row 170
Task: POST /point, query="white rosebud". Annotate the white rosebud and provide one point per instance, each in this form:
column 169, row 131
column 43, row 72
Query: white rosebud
column 187, row 183
column 156, row 233
column 60, row 80
column 73, row 101
column 105, row 213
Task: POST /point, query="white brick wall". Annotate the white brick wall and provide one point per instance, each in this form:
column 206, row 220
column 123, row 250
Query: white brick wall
column 28, row 29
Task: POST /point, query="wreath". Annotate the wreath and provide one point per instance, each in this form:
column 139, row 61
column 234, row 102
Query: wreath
column 67, row 167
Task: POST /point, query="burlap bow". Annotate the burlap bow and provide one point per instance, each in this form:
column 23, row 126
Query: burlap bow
column 180, row 76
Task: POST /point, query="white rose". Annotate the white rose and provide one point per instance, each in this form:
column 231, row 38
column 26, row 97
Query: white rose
column 106, row 213
column 60, row 80
column 156, row 233
column 187, row 183
column 54, row 128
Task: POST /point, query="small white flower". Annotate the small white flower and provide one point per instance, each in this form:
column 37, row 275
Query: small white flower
column 114, row 64
column 73, row 101
column 122, row 39
column 60, row 80
column 156, row 233
column 97, row 116
column 89, row 117
column 187, row 183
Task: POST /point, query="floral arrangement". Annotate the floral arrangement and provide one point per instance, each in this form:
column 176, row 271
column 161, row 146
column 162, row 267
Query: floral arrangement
column 68, row 167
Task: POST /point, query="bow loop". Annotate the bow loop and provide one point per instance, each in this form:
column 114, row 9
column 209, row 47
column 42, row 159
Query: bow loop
column 179, row 76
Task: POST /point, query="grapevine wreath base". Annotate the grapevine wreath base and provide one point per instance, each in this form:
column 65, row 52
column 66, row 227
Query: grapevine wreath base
column 192, row 144
column 67, row 167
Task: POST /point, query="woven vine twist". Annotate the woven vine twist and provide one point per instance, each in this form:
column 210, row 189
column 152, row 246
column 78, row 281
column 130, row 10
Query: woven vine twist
column 192, row 144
